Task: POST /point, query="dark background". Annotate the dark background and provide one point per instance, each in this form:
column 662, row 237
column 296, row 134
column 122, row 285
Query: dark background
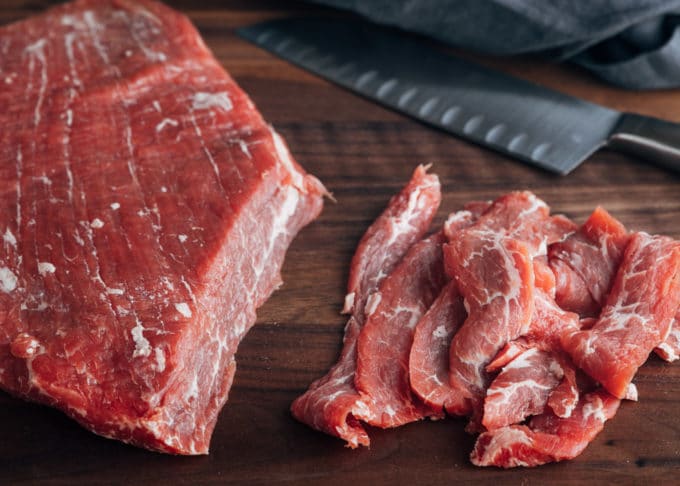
column 364, row 154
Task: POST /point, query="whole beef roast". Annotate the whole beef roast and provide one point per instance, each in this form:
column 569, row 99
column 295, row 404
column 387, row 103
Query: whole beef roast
column 145, row 210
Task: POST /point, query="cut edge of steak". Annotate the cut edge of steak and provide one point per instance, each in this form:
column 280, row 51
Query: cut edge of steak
column 429, row 356
column 285, row 212
column 403, row 222
column 183, row 420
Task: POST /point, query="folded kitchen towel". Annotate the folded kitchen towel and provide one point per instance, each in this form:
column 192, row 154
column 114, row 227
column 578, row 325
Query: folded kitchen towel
column 631, row 43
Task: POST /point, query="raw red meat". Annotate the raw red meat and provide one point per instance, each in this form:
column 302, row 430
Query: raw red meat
column 572, row 291
column 509, row 352
column 521, row 389
column 524, row 217
column 549, row 321
column 548, row 324
column 637, row 315
column 495, row 345
column 492, row 264
column 429, row 357
column 385, row 341
column 669, row 350
column 496, row 278
column 547, row 438
column 565, row 396
column 544, row 374
column 586, row 262
column 464, row 218
column 331, row 401
column 146, row 210
column 515, row 394
column 405, row 221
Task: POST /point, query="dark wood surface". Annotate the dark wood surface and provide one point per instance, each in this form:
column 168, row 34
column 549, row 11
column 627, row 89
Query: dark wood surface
column 364, row 153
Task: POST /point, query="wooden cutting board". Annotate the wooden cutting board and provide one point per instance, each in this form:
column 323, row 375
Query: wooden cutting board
column 364, row 154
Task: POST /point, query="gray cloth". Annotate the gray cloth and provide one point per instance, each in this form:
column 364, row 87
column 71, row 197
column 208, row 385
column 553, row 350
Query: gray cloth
column 631, row 43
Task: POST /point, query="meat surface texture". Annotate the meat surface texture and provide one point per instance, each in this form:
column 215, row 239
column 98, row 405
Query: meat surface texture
column 549, row 322
column 330, row 402
column 547, row 438
column 405, row 220
column 492, row 262
column 669, row 350
column 521, row 389
column 146, row 208
column 496, row 279
column 637, row 316
column 586, row 262
column 429, row 356
column 384, row 344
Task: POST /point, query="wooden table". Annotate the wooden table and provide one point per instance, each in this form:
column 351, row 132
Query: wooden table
column 364, row 153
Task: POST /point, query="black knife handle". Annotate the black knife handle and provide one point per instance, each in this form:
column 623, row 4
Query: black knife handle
column 655, row 140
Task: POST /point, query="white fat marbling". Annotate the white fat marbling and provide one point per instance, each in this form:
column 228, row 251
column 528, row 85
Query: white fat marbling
column 165, row 122
column 184, row 309
column 203, row 101
column 46, row 267
column 8, row 237
column 8, row 281
column 142, row 345
column 160, row 359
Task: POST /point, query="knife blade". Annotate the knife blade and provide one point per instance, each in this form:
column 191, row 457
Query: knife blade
column 516, row 117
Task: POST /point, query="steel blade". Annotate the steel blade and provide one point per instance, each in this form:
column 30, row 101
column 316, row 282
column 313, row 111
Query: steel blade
column 516, row 117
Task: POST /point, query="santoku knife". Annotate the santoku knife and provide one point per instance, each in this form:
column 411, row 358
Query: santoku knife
column 513, row 116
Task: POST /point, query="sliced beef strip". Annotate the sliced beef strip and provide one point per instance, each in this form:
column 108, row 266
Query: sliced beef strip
column 521, row 389
column 498, row 312
column 464, row 218
column 598, row 244
column 385, row 341
column 429, row 355
column 544, row 374
column 146, row 211
column 561, row 399
column 407, row 217
column 330, row 402
column 523, row 216
column 547, row 437
column 637, row 316
column 586, row 262
column 492, row 263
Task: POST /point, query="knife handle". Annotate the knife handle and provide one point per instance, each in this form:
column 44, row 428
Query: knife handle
column 657, row 141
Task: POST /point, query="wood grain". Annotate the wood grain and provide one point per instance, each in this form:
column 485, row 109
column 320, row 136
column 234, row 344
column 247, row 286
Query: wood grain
column 364, row 153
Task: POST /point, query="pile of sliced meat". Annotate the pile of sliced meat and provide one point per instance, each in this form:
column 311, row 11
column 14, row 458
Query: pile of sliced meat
column 531, row 326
